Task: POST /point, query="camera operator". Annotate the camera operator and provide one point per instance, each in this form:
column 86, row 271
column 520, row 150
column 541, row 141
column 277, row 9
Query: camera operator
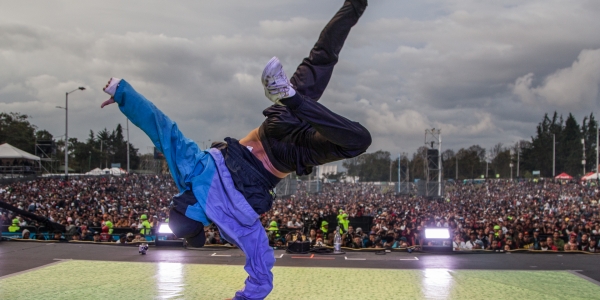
column 348, row 237
column 314, row 222
column 306, row 218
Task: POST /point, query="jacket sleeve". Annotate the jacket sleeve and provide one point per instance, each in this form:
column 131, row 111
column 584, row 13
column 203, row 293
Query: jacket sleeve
column 182, row 154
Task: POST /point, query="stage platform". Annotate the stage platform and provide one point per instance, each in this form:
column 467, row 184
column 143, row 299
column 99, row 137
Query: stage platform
column 83, row 271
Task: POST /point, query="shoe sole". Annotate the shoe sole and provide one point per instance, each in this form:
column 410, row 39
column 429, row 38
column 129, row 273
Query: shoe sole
column 270, row 65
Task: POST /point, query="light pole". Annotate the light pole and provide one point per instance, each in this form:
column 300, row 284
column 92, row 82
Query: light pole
column 456, row 156
column 486, row 168
column 518, row 157
column 90, row 161
column 399, row 174
column 66, row 108
column 127, row 145
column 391, row 161
column 101, row 152
column 583, row 160
column 511, row 166
column 553, row 156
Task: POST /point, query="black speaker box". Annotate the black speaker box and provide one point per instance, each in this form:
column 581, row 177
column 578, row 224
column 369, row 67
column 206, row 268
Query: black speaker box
column 298, row 247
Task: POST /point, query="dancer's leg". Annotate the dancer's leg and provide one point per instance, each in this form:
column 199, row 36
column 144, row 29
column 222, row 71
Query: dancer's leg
column 332, row 137
column 251, row 239
column 329, row 137
column 313, row 74
column 336, row 137
column 182, row 154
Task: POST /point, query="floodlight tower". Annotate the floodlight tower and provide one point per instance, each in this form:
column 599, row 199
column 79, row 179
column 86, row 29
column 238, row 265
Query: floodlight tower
column 433, row 137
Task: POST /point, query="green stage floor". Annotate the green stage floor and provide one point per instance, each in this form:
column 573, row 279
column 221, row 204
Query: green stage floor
column 79, row 279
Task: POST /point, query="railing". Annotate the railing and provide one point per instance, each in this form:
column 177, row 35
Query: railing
column 19, row 170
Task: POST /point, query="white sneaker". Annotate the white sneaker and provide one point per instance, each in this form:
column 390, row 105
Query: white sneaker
column 111, row 87
column 277, row 86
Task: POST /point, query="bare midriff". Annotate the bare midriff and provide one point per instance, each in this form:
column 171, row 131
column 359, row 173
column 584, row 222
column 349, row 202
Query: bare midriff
column 253, row 140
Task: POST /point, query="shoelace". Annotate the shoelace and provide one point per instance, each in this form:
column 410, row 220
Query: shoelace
column 275, row 88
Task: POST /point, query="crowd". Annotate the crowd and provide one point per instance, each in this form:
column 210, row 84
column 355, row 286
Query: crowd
column 103, row 203
column 494, row 215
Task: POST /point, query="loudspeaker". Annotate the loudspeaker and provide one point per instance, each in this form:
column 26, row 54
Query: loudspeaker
column 432, row 159
column 298, row 247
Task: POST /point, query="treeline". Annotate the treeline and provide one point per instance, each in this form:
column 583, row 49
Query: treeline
column 103, row 148
column 99, row 150
column 526, row 156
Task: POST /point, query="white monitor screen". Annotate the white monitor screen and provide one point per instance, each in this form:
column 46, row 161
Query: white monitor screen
column 164, row 228
column 437, row 233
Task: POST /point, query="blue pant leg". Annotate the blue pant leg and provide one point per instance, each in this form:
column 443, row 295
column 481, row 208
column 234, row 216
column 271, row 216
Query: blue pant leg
column 260, row 258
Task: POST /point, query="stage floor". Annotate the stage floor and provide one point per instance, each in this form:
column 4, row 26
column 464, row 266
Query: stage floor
column 71, row 271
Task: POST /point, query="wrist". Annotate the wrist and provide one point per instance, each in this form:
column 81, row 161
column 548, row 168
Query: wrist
column 111, row 87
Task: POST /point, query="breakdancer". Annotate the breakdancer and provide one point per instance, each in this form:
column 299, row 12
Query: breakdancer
column 232, row 183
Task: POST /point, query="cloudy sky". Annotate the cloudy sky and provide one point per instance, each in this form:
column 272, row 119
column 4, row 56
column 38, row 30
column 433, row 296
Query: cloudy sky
column 482, row 71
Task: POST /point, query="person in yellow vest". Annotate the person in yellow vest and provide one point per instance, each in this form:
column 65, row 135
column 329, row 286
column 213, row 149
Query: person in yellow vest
column 145, row 226
column 324, row 229
column 340, row 216
column 497, row 230
column 273, row 229
column 340, row 212
column 15, row 226
column 343, row 222
column 110, row 226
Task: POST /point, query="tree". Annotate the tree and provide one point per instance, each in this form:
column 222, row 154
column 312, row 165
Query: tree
column 103, row 143
column 417, row 164
column 43, row 135
column 471, row 162
column 571, row 147
column 16, row 130
column 369, row 166
column 375, row 166
column 501, row 163
column 449, row 163
column 538, row 155
column 589, row 127
column 497, row 149
column 352, row 166
column 404, row 167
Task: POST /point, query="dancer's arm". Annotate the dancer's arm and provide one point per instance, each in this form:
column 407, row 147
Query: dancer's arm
column 182, row 154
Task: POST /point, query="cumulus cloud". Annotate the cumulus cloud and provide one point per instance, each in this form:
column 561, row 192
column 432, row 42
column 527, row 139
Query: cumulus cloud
column 484, row 72
column 574, row 87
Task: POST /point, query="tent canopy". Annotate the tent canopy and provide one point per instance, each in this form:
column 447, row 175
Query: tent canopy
column 563, row 176
column 96, row 171
column 8, row 151
column 590, row 176
column 117, row 171
column 106, row 171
